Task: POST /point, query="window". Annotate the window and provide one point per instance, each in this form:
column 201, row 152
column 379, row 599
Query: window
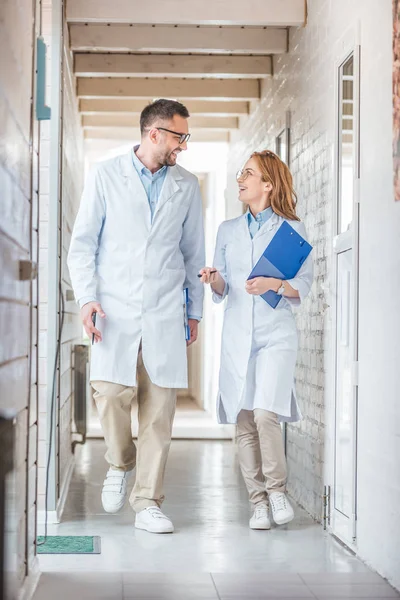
column 346, row 145
column 282, row 141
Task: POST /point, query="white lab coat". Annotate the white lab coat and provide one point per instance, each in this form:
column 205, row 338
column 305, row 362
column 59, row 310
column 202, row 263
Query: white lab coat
column 259, row 343
column 137, row 270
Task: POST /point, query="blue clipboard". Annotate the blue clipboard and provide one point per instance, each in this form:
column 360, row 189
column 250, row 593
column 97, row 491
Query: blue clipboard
column 185, row 313
column 282, row 259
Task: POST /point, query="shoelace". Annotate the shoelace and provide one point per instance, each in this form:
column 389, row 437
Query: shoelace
column 156, row 513
column 278, row 502
column 261, row 511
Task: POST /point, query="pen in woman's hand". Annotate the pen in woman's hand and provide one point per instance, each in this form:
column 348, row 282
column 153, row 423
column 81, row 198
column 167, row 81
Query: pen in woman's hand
column 211, row 272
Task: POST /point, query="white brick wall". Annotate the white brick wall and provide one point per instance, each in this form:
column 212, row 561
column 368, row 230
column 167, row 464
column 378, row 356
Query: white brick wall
column 304, row 82
column 311, row 151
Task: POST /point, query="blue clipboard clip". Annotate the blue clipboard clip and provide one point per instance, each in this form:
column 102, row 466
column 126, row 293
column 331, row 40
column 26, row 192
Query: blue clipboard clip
column 185, row 313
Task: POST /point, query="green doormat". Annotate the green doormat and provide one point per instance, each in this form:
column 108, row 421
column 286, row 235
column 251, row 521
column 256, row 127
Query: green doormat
column 69, row 544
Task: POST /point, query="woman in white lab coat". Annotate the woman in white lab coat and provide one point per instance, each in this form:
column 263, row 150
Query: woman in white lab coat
column 259, row 343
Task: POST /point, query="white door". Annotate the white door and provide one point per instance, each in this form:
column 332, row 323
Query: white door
column 345, row 251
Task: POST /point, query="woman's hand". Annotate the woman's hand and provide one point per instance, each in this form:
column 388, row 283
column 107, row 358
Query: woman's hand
column 261, row 285
column 208, row 275
column 214, row 278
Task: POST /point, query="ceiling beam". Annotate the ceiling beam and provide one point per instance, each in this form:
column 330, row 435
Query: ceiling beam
column 163, row 65
column 272, row 13
column 109, row 106
column 221, row 123
column 146, row 38
column 133, row 134
column 199, row 89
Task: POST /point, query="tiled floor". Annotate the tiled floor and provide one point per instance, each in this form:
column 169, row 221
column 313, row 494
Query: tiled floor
column 207, row 586
column 212, row 555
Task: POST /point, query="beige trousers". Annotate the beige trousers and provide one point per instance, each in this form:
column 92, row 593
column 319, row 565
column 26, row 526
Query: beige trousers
column 261, row 453
column 156, row 410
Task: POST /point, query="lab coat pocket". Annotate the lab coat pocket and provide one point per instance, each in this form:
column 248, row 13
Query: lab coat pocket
column 171, row 217
column 170, row 291
column 176, row 205
column 115, row 268
column 228, row 307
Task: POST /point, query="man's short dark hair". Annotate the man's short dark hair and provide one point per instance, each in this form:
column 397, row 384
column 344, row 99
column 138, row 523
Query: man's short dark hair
column 161, row 109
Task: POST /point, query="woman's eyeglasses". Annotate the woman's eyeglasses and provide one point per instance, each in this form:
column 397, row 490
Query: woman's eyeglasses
column 243, row 175
column 183, row 137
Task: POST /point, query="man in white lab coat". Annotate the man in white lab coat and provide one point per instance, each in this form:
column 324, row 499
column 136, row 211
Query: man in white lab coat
column 137, row 243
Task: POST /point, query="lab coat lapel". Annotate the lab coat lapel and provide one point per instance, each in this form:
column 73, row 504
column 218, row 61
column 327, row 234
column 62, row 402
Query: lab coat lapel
column 270, row 226
column 169, row 188
column 241, row 231
column 133, row 182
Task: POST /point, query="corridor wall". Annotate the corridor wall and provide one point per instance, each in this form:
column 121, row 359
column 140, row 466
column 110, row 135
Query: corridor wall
column 304, row 83
column 70, row 187
column 19, row 149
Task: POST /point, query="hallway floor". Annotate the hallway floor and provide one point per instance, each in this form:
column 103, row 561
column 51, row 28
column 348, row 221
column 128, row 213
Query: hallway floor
column 212, row 554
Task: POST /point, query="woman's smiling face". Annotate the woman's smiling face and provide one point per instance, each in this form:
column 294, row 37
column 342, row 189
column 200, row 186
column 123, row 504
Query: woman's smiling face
column 251, row 186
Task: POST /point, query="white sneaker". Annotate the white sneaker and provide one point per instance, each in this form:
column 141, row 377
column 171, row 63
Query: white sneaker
column 153, row 520
column 260, row 518
column 113, row 494
column 282, row 511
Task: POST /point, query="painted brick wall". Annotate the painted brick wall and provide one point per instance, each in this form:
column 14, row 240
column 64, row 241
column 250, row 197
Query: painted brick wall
column 301, row 85
column 304, row 82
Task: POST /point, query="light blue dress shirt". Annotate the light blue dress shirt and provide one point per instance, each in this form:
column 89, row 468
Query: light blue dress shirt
column 256, row 222
column 152, row 183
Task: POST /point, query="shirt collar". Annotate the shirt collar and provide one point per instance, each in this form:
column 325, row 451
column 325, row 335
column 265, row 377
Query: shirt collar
column 262, row 216
column 140, row 168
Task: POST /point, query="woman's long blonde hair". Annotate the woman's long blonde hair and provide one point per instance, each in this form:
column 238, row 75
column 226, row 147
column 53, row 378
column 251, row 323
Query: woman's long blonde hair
column 273, row 170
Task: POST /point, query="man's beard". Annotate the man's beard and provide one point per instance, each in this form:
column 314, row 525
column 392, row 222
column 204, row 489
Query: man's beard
column 167, row 160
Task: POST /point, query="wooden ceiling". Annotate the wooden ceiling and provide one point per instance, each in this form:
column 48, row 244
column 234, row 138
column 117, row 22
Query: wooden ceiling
column 210, row 55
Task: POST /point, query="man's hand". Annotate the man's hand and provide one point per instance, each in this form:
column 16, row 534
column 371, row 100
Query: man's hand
column 86, row 315
column 260, row 285
column 193, row 326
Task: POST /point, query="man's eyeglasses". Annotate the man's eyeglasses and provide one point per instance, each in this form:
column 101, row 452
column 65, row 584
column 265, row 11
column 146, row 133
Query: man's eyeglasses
column 183, row 137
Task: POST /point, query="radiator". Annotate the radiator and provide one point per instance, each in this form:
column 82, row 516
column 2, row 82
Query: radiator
column 81, row 363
